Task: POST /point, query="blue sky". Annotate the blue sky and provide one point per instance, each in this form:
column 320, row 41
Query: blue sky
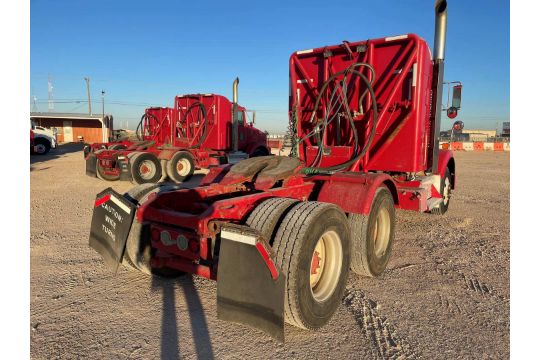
column 145, row 52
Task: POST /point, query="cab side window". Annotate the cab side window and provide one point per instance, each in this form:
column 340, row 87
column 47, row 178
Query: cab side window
column 240, row 118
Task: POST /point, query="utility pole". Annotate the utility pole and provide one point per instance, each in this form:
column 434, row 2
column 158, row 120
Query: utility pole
column 87, row 79
column 103, row 104
column 34, row 105
column 107, row 125
column 50, row 88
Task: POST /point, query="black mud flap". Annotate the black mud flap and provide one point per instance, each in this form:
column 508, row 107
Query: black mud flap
column 250, row 287
column 91, row 162
column 111, row 222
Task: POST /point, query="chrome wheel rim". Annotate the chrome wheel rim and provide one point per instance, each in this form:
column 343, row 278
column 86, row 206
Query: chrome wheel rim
column 446, row 191
column 183, row 167
column 381, row 232
column 325, row 267
column 147, row 169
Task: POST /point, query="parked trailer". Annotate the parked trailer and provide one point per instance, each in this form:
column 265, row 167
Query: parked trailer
column 197, row 133
column 279, row 234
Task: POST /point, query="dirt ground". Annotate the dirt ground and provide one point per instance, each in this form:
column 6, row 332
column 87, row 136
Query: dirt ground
column 445, row 294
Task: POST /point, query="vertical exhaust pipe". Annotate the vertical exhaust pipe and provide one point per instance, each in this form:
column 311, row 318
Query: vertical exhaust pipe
column 235, row 90
column 439, row 46
column 235, row 115
column 441, row 17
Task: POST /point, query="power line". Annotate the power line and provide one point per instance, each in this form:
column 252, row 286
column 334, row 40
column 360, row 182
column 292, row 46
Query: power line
column 115, row 102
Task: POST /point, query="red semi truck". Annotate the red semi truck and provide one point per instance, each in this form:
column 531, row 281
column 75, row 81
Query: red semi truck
column 279, row 234
column 198, row 132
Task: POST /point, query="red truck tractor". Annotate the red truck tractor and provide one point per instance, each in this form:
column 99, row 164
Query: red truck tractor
column 199, row 132
column 279, row 234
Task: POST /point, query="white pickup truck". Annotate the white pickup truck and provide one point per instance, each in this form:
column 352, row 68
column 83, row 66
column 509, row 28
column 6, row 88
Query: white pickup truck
column 44, row 139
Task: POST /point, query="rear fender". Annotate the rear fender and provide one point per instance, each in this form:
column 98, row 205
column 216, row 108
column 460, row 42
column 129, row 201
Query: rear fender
column 446, row 159
column 355, row 193
column 167, row 154
column 250, row 148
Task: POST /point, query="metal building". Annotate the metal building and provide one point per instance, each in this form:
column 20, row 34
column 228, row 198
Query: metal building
column 72, row 127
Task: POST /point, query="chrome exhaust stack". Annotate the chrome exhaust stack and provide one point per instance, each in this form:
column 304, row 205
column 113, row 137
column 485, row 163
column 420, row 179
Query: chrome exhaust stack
column 441, row 17
column 235, row 90
column 235, row 115
column 439, row 46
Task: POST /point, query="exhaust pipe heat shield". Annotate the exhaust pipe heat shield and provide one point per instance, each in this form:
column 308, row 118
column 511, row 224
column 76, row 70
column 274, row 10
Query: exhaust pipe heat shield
column 250, row 287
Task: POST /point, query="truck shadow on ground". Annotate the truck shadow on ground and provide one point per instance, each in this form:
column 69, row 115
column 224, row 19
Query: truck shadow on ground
column 170, row 336
column 60, row 151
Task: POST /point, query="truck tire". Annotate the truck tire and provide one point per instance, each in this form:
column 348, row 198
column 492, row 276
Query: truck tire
column 145, row 168
column 373, row 235
column 446, row 186
column 314, row 284
column 139, row 251
column 260, row 151
column 41, row 146
column 181, row 166
column 268, row 215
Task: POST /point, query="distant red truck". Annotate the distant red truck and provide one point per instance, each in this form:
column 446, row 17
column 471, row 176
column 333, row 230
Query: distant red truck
column 197, row 133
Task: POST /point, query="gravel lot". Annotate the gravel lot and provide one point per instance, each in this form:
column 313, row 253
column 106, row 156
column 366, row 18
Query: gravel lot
column 445, row 294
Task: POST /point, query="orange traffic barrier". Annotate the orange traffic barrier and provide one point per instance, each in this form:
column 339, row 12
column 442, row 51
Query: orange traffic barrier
column 456, row 146
column 275, row 143
column 498, row 146
column 478, row 146
column 445, row 146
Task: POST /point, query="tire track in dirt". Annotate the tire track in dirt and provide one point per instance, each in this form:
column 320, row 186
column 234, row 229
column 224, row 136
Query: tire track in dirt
column 475, row 285
column 377, row 328
column 453, row 271
column 450, row 304
column 471, row 283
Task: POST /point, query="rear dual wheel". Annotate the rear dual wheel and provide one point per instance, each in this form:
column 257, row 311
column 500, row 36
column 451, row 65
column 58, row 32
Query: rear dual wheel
column 181, row 166
column 312, row 245
column 373, row 235
column 145, row 168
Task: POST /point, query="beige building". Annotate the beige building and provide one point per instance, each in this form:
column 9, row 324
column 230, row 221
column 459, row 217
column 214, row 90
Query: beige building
column 479, row 135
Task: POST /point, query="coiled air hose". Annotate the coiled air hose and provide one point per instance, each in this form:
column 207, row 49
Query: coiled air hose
column 321, row 126
column 204, row 119
column 139, row 130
